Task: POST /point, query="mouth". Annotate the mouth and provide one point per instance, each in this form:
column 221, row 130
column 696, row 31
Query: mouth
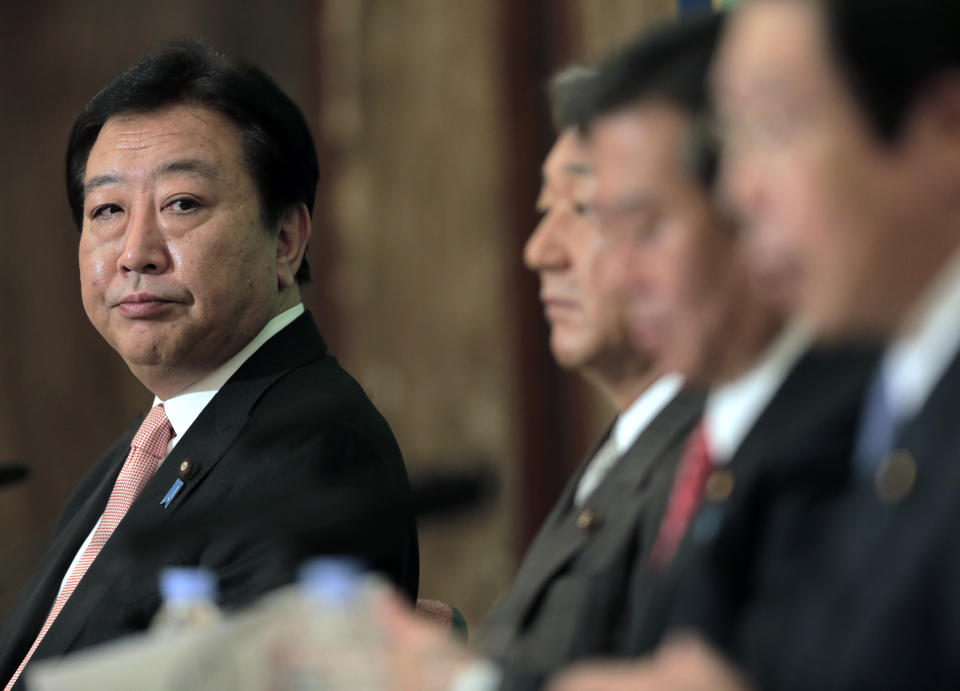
column 557, row 307
column 143, row 305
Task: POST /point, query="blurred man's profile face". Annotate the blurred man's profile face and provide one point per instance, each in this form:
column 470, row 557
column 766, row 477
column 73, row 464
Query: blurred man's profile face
column 573, row 256
column 680, row 266
column 825, row 204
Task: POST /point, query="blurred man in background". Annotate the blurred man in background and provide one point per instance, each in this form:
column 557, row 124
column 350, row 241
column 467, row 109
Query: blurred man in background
column 766, row 420
column 841, row 124
column 566, row 600
column 691, row 299
column 191, row 179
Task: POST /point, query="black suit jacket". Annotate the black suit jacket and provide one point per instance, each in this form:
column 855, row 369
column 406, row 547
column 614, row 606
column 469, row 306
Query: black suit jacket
column 763, row 541
column 566, row 601
column 290, row 420
column 886, row 614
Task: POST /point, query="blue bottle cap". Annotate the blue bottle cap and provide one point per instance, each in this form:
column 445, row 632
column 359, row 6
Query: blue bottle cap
column 187, row 584
column 330, row 579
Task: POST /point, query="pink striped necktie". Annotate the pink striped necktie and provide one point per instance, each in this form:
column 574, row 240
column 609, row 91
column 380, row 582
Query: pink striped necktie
column 147, row 449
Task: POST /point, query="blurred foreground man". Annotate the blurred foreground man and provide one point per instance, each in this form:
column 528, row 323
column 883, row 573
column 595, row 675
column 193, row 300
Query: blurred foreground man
column 192, row 179
column 844, row 153
column 842, row 150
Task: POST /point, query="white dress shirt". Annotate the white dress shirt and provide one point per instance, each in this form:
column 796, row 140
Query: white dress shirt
column 917, row 359
column 626, row 429
column 185, row 407
column 732, row 409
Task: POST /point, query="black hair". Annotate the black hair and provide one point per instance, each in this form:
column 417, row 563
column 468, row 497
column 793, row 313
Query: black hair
column 278, row 149
column 889, row 51
column 567, row 91
column 671, row 65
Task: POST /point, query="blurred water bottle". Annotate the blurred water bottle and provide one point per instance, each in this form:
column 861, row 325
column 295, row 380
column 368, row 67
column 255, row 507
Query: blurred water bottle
column 337, row 642
column 188, row 600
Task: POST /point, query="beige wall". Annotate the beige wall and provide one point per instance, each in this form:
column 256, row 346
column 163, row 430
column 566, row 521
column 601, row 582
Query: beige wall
column 413, row 119
column 412, row 112
column 417, row 293
column 606, row 24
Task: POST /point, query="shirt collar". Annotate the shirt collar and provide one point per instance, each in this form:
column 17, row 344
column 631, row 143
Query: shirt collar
column 185, row 407
column 647, row 406
column 917, row 359
column 731, row 409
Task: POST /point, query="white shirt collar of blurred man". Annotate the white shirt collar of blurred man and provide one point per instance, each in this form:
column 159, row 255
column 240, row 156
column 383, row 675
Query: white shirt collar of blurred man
column 917, row 359
column 732, row 409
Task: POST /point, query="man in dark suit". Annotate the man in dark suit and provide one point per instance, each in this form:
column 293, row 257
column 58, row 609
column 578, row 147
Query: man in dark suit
column 766, row 419
column 566, row 599
column 192, row 178
column 843, row 154
column 873, row 85
column 653, row 206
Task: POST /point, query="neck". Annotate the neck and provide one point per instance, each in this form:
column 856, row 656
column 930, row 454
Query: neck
column 166, row 381
column 624, row 382
column 921, row 282
column 746, row 337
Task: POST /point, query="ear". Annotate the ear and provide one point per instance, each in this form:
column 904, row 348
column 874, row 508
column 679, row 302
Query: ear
column 292, row 240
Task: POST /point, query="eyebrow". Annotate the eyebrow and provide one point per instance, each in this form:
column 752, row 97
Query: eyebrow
column 190, row 166
column 636, row 202
column 578, row 168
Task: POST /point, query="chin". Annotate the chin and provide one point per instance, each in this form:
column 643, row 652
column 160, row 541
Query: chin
column 139, row 353
column 567, row 354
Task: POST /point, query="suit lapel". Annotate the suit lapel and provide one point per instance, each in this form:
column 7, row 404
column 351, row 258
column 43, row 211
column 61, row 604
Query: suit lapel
column 540, row 559
column 560, row 540
column 208, row 438
column 634, row 469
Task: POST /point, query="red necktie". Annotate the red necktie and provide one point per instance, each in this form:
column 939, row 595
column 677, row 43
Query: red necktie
column 685, row 497
column 147, row 449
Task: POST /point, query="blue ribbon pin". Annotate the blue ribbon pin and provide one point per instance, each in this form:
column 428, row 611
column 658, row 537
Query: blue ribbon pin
column 172, row 493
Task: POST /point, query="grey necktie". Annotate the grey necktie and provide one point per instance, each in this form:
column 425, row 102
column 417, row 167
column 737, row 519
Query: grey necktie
column 601, row 463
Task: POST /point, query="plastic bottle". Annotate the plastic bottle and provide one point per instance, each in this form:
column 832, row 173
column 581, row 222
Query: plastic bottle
column 338, row 643
column 189, row 600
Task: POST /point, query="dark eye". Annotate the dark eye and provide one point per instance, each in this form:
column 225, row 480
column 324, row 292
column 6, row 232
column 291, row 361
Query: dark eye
column 105, row 211
column 581, row 209
column 183, row 205
column 647, row 230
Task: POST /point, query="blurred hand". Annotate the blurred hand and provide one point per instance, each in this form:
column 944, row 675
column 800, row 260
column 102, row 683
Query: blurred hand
column 420, row 655
column 682, row 664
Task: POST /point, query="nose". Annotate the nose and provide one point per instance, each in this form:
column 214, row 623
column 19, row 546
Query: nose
column 144, row 249
column 545, row 249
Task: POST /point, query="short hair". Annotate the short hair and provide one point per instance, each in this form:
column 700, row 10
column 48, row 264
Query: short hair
column 568, row 92
column 671, row 65
column 278, row 149
column 890, row 51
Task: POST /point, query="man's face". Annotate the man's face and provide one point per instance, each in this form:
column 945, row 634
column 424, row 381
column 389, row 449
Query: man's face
column 576, row 260
column 177, row 270
column 682, row 267
column 825, row 204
